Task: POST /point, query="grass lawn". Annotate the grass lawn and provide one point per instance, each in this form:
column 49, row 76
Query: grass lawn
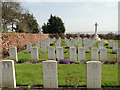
column 68, row 74
column 31, row 74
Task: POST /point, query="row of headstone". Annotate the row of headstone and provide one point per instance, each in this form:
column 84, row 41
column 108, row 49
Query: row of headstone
column 88, row 43
column 81, row 54
column 33, row 50
column 60, row 54
column 50, row 77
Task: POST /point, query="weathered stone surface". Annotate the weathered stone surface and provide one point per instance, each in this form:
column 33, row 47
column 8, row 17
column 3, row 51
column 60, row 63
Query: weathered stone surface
column 72, row 53
column 50, row 78
column 37, row 44
column 81, row 54
column 0, row 74
column 59, row 53
column 114, row 48
column 34, row 54
column 93, row 74
column 29, row 46
column 43, row 47
column 8, row 74
column 118, row 55
column 103, row 54
column 13, row 53
column 51, row 53
column 94, row 54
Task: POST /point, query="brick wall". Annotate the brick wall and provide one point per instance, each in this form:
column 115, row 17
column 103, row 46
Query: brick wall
column 19, row 40
column 0, row 46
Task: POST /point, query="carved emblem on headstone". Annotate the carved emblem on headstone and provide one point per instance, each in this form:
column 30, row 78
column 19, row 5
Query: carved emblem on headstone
column 50, row 65
column 5, row 65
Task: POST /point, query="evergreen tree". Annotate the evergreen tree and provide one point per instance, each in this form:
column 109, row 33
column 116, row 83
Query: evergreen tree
column 54, row 25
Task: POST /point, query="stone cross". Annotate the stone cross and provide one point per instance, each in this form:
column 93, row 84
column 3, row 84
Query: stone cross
column 96, row 28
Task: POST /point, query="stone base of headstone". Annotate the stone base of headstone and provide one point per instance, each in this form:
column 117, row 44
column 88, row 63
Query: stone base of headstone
column 97, row 38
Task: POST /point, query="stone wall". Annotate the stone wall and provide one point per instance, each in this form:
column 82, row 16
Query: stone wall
column 19, row 40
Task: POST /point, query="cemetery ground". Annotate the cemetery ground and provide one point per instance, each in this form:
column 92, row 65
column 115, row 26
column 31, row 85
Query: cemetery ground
column 28, row 73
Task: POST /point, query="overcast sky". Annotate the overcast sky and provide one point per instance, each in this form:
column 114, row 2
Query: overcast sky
column 77, row 16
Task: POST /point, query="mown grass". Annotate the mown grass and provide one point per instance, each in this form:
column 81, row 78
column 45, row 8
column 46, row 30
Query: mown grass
column 31, row 74
column 68, row 74
column 44, row 56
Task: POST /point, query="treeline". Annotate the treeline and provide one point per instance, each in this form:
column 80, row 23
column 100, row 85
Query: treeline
column 16, row 18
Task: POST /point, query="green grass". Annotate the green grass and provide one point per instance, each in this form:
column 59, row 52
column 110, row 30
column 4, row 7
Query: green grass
column 68, row 74
column 44, row 56
column 31, row 74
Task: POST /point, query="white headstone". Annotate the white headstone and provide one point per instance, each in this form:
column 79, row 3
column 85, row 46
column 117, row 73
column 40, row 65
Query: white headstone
column 103, row 54
column 43, row 47
column 71, row 44
column 100, row 45
column 114, row 48
column 37, row 44
column 72, row 53
column 8, row 74
column 0, row 74
column 48, row 42
column 111, row 43
column 29, row 46
column 94, row 54
column 86, row 48
column 93, row 74
column 118, row 55
column 50, row 78
column 34, row 54
column 51, row 53
column 59, row 53
column 13, row 53
column 81, row 54
column 79, row 42
column 57, row 45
